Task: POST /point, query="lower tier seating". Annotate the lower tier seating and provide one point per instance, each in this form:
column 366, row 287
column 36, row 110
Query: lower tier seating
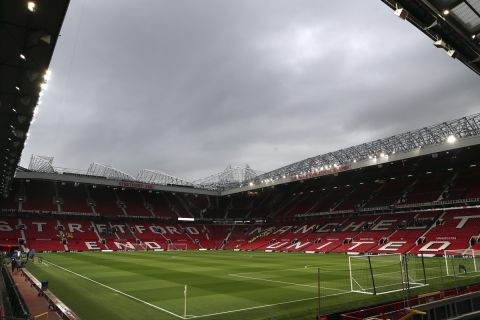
column 417, row 233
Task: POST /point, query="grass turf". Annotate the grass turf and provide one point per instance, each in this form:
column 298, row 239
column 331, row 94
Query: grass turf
column 221, row 284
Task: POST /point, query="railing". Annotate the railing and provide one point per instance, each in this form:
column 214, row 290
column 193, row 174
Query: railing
column 396, row 207
column 396, row 309
column 19, row 308
column 54, row 303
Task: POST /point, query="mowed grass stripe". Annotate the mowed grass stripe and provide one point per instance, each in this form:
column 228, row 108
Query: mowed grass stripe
column 213, row 294
column 233, row 294
column 116, row 290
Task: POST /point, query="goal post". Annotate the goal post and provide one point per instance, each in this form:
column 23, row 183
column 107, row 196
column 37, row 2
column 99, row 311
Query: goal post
column 461, row 262
column 382, row 274
column 176, row 246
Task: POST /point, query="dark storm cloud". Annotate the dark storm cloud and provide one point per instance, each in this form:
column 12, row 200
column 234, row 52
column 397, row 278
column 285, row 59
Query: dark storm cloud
column 188, row 87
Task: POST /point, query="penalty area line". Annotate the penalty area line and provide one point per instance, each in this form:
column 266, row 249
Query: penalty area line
column 285, row 282
column 267, row 305
column 117, row 291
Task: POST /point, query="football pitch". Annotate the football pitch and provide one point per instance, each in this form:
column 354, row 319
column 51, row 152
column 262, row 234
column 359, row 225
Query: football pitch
column 220, row 284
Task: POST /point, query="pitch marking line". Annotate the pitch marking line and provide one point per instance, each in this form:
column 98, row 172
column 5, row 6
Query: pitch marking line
column 266, row 305
column 284, row 282
column 117, row 291
column 193, row 316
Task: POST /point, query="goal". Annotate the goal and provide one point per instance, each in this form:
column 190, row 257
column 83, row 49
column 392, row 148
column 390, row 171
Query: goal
column 382, row 274
column 175, row 246
column 461, row 262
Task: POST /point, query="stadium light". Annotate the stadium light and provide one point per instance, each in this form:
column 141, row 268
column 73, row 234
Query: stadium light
column 434, row 24
column 452, row 53
column 186, row 219
column 401, row 13
column 31, row 6
column 22, row 57
column 48, row 75
column 451, row 139
column 446, row 12
column 440, row 44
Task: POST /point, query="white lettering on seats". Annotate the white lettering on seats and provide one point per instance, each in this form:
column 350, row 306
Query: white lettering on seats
column 392, row 246
column 442, row 245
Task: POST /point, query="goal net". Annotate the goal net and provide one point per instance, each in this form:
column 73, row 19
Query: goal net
column 461, row 262
column 381, row 274
column 177, row 246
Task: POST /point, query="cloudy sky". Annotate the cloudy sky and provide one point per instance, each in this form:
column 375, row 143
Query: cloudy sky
column 190, row 86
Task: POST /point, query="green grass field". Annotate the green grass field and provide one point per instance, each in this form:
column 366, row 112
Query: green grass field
column 221, row 284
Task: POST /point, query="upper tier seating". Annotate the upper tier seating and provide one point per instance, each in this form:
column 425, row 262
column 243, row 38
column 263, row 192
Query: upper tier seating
column 134, row 204
column 74, row 198
column 106, row 203
column 39, row 196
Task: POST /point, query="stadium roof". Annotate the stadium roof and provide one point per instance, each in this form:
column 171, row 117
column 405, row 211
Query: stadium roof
column 28, row 34
column 386, row 149
column 444, row 136
column 453, row 25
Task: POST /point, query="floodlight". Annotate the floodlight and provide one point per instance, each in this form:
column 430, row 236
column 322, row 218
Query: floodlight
column 452, row 53
column 17, row 87
column 477, row 59
column 31, row 6
column 22, row 57
column 434, row 24
column 451, row 139
column 440, row 44
column 39, row 37
column 47, row 75
column 446, row 12
column 401, row 13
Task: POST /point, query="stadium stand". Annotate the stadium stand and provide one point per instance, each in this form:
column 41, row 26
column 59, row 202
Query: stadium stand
column 159, row 205
column 74, row 199
column 417, row 205
column 38, row 195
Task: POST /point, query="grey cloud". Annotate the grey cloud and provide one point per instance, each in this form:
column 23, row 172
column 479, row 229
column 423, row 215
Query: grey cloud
column 190, row 86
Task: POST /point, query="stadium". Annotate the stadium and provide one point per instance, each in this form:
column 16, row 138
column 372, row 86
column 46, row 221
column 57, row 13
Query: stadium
column 385, row 229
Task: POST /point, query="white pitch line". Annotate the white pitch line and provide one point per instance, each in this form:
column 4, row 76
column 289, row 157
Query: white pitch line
column 117, row 291
column 284, row 282
column 267, row 305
